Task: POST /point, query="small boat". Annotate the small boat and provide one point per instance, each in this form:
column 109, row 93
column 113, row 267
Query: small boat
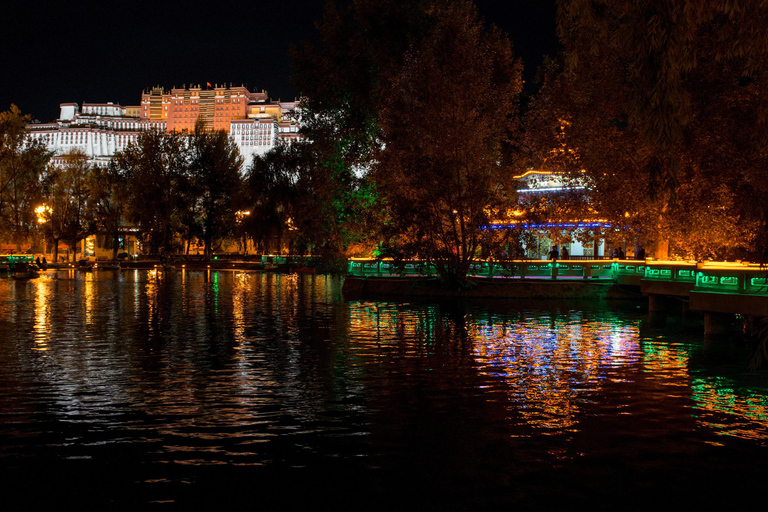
column 24, row 270
column 84, row 266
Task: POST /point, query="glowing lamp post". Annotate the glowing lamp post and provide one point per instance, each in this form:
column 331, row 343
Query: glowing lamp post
column 240, row 215
column 43, row 213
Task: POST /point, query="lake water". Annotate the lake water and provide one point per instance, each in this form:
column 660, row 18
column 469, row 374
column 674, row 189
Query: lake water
column 222, row 389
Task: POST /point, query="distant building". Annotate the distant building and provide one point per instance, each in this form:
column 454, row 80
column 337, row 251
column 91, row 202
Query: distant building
column 97, row 129
column 254, row 122
column 535, row 185
column 100, row 130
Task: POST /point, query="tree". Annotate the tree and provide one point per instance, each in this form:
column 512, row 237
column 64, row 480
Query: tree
column 22, row 162
column 272, row 188
column 156, row 172
column 69, row 216
column 440, row 165
column 366, row 71
column 638, row 86
column 215, row 177
column 343, row 78
column 109, row 197
column 303, row 195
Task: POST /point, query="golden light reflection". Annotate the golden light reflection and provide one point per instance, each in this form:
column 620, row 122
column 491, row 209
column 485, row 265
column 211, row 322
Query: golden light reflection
column 661, row 360
column 89, row 292
column 42, row 327
column 241, row 287
column 546, row 362
column 728, row 413
column 136, row 293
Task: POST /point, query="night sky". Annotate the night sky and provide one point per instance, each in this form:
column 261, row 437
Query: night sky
column 57, row 52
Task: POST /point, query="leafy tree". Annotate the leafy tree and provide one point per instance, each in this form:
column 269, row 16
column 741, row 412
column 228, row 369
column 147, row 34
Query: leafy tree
column 637, row 90
column 156, row 173
column 336, row 208
column 22, row 162
column 302, row 192
column 440, row 163
column 343, row 78
column 69, row 217
column 109, row 197
column 57, row 203
column 272, row 185
column 215, row 165
column 366, row 70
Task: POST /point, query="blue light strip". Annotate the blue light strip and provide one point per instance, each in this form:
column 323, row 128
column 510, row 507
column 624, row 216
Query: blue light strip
column 549, row 189
column 560, row 225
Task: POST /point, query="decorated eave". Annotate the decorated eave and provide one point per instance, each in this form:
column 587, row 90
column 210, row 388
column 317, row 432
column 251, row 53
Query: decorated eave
column 596, row 224
column 537, row 181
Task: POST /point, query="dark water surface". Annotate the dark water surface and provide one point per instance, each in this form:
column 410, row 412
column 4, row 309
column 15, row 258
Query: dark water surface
column 141, row 389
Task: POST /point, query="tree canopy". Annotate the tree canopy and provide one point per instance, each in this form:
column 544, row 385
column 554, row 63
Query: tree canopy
column 156, row 173
column 440, row 164
column 70, row 215
column 22, row 163
column 424, row 96
column 664, row 112
column 215, row 180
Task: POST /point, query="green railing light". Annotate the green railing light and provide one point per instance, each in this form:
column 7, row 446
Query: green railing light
column 721, row 278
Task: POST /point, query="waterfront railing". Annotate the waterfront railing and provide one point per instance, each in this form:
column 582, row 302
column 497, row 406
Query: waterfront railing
column 720, row 277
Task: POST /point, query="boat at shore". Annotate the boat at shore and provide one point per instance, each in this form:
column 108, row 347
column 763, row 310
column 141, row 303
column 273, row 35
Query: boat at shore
column 24, row 270
column 107, row 266
column 18, row 266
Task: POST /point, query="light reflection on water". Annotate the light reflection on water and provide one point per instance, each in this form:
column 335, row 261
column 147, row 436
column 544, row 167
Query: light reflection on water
column 252, row 370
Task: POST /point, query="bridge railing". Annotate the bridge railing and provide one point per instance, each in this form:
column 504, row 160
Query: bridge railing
column 732, row 278
column 675, row 271
column 749, row 279
column 519, row 268
column 718, row 277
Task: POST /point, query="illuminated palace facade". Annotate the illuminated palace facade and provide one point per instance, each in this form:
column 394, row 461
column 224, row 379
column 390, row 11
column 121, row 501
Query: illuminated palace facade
column 100, row 130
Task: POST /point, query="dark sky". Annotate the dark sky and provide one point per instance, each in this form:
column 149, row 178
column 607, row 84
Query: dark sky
column 56, row 52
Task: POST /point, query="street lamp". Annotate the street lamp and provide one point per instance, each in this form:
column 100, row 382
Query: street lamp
column 43, row 212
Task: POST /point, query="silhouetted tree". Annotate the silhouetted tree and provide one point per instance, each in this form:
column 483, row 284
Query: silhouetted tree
column 272, row 188
column 380, row 60
column 156, row 170
column 215, row 166
column 22, row 163
column 663, row 98
column 109, row 197
column 440, row 165
column 70, row 216
column 343, row 78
